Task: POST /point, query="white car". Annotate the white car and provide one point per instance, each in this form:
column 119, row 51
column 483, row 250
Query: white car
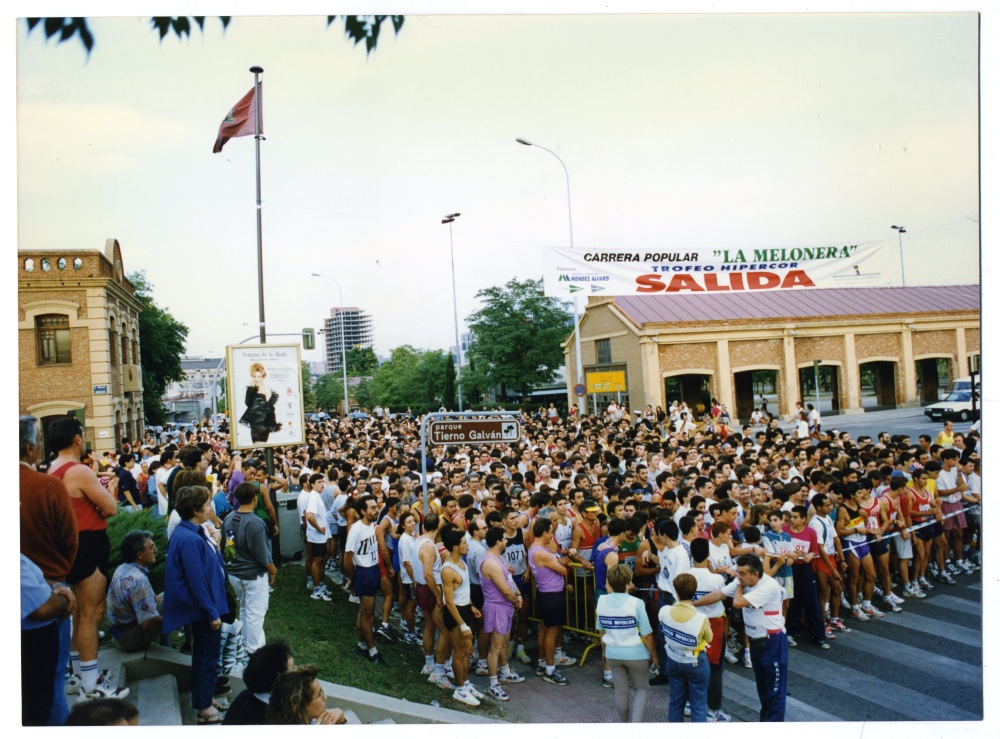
column 956, row 407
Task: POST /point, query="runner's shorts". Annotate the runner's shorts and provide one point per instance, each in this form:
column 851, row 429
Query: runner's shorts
column 92, row 554
column 498, row 617
column 858, row 548
column 957, row 519
column 925, row 533
column 366, row 581
column 878, row 548
column 819, row 566
column 464, row 611
column 317, row 550
column 551, row 607
column 903, row 547
column 426, row 600
column 787, row 586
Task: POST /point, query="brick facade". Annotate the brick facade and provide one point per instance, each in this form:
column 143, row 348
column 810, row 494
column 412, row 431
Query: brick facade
column 88, row 288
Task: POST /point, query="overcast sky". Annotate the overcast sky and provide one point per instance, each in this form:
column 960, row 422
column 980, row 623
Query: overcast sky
column 713, row 131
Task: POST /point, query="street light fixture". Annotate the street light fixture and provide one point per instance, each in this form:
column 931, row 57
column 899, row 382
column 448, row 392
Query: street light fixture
column 343, row 342
column 902, row 269
column 450, row 219
column 581, row 399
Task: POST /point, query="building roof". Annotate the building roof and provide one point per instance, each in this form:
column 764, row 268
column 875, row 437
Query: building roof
column 189, row 364
column 799, row 304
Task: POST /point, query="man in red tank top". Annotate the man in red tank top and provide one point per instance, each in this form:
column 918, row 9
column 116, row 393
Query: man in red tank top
column 88, row 577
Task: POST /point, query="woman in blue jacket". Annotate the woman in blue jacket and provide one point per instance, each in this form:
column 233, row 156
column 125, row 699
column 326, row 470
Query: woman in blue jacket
column 195, row 593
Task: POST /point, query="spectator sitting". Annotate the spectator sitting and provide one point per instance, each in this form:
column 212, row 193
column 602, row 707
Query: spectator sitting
column 298, row 698
column 250, row 707
column 103, row 712
column 133, row 607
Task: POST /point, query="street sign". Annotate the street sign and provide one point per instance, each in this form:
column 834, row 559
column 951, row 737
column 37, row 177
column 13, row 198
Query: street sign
column 474, row 432
column 580, row 390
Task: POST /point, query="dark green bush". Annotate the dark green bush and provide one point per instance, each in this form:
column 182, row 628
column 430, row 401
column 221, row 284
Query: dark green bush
column 124, row 522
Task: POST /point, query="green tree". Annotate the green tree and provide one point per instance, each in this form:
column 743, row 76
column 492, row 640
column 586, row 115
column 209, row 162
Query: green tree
column 519, row 332
column 356, row 27
column 450, row 398
column 308, row 394
column 411, row 377
column 329, row 391
column 361, row 361
column 162, row 339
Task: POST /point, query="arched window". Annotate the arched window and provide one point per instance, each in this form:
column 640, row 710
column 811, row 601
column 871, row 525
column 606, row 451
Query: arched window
column 53, row 335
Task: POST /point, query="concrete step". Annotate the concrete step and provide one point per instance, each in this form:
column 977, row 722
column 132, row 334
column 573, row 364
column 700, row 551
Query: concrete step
column 351, row 716
column 157, row 700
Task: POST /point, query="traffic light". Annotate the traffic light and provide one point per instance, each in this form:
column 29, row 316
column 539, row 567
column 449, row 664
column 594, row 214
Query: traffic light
column 308, row 338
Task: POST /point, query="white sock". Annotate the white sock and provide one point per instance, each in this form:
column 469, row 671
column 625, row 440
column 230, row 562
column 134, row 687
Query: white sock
column 74, row 661
column 89, row 673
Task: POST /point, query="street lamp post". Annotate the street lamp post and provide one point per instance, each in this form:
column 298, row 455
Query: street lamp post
column 343, row 342
column 581, row 400
column 450, row 219
column 901, row 230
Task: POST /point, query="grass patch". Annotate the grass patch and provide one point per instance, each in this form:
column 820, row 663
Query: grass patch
column 323, row 634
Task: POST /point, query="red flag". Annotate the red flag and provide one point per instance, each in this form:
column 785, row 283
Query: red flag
column 239, row 121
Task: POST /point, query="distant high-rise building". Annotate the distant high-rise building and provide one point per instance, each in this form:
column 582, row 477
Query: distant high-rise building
column 357, row 332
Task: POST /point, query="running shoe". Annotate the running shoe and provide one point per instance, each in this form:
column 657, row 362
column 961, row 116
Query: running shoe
column 924, row 585
column 482, row 670
column 607, row 682
column 890, row 605
column 871, row 611
column 556, row 678
column 497, row 692
column 838, row 625
column 319, row 594
column 896, row 599
column 829, row 632
column 687, row 710
column 952, row 568
column 967, row 567
column 844, row 602
column 877, row 590
column 511, row 678
column 859, row 613
column 376, row 659
column 352, row 599
column 746, row 661
column 539, row 670
column 474, row 690
column 427, row 669
column 946, row 578
column 413, row 638
column 932, row 569
column 442, row 681
column 910, row 590
column 523, row 656
column 562, row 660
column 731, row 658
column 719, row 715
column 309, row 584
column 792, row 642
column 822, row 645
column 103, row 689
column 733, row 644
column 462, row 695
column 384, row 633
column 449, row 672
column 73, row 683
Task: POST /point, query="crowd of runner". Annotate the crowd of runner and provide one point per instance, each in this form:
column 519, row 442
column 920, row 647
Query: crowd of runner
column 560, row 526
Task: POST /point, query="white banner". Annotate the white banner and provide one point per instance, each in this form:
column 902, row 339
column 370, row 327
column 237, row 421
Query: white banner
column 706, row 271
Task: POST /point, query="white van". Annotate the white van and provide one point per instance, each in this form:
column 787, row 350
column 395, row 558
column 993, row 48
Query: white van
column 958, row 405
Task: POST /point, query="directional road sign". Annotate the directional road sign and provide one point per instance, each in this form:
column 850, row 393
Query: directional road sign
column 475, row 432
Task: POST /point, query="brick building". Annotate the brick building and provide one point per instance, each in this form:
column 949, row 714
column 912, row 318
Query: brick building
column 884, row 347
column 78, row 342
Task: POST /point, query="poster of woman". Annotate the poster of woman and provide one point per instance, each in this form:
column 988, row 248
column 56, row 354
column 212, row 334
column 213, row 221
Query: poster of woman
column 264, row 384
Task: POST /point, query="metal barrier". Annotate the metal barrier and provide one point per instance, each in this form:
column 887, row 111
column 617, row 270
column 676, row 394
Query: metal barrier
column 581, row 607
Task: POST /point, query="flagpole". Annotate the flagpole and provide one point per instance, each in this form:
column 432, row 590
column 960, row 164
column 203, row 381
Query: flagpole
column 260, row 245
